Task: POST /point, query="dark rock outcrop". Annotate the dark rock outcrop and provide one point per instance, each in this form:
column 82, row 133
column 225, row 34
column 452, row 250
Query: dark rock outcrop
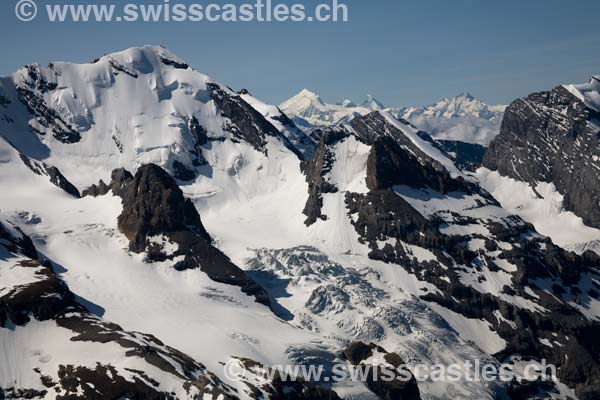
column 315, row 171
column 173, row 63
column 154, row 207
column 466, row 156
column 15, row 241
column 30, row 91
column 153, row 204
column 551, row 137
column 119, row 181
column 53, row 174
column 282, row 388
column 246, row 123
column 389, row 164
column 403, row 386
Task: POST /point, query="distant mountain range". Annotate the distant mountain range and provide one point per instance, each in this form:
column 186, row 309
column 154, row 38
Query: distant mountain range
column 461, row 118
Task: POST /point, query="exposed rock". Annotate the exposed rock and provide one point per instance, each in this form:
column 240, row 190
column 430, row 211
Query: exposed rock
column 15, row 241
column 279, row 388
column 400, row 385
column 120, row 179
column 552, row 137
column 55, row 176
column 30, row 94
column 389, row 164
column 154, row 206
column 182, row 172
column 173, row 63
column 246, row 123
column 466, row 156
column 315, row 171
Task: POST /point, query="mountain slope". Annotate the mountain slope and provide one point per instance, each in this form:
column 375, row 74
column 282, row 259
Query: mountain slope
column 552, row 137
column 365, row 232
column 439, row 225
column 129, row 108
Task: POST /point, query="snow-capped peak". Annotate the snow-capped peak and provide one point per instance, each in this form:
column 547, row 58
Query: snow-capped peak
column 127, row 108
column 309, row 112
column 462, row 117
column 465, row 104
column 305, row 98
column 372, row 103
column 466, row 95
column 135, row 55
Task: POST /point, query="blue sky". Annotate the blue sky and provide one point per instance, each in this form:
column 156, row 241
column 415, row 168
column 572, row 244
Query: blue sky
column 404, row 52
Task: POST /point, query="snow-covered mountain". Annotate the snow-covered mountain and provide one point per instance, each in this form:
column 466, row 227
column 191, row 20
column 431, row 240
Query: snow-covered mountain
column 372, row 103
column 156, row 226
column 310, row 112
column 462, row 118
column 549, row 148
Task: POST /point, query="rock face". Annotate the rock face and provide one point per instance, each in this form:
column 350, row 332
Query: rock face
column 153, row 207
column 400, row 388
column 30, row 90
column 552, row 137
column 247, row 123
column 467, row 156
column 53, row 174
column 416, row 215
column 315, row 171
column 390, row 164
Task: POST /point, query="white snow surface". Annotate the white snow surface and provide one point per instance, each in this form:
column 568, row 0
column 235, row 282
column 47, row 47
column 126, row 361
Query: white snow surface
column 546, row 214
column 125, row 119
column 463, row 117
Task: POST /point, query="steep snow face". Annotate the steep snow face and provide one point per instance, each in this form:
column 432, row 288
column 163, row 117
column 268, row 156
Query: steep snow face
column 273, row 114
column 462, row 118
column 138, row 106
